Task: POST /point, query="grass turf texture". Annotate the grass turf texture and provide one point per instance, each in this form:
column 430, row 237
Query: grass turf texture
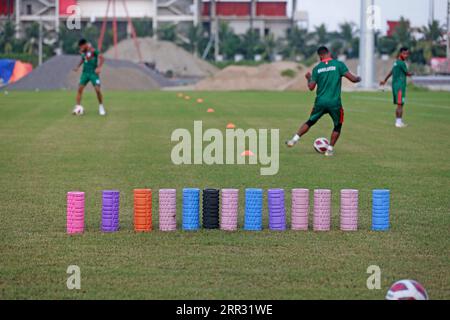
column 45, row 152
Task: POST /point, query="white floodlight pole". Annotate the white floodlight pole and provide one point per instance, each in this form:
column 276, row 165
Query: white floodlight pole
column 367, row 44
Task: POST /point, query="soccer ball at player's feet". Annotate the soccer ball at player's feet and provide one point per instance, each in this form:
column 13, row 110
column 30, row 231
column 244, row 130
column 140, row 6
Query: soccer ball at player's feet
column 78, row 111
column 407, row 290
column 321, row 145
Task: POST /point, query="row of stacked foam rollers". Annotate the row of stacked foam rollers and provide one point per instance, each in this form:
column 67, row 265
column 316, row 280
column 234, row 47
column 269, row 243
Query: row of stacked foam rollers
column 220, row 210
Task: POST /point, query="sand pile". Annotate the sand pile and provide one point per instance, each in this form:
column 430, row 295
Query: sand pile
column 264, row 77
column 56, row 73
column 270, row 77
column 166, row 56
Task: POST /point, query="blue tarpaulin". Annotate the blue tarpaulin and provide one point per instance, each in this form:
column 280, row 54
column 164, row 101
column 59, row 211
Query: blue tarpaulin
column 6, row 69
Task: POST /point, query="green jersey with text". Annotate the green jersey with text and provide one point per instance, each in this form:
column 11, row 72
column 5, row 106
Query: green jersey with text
column 90, row 61
column 399, row 74
column 328, row 77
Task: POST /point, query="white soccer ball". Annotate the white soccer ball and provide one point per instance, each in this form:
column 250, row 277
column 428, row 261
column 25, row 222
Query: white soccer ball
column 407, row 290
column 78, row 111
column 321, row 145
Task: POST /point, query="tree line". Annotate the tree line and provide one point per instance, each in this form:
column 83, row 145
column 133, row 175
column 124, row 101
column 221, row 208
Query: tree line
column 298, row 44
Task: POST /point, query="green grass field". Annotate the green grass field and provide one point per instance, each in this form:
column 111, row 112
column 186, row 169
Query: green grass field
column 45, row 152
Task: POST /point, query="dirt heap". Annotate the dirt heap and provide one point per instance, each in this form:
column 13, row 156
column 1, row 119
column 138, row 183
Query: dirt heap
column 278, row 76
column 269, row 77
column 166, row 56
column 56, row 73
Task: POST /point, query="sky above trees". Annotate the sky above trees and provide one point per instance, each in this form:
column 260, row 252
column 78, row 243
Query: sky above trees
column 333, row 12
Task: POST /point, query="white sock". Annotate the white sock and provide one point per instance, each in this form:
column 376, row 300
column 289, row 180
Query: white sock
column 399, row 120
column 296, row 138
column 330, row 148
column 100, row 106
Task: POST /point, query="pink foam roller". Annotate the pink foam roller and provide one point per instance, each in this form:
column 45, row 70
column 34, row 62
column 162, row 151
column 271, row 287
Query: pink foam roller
column 322, row 210
column 168, row 210
column 75, row 212
column 229, row 209
column 300, row 209
column 349, row 210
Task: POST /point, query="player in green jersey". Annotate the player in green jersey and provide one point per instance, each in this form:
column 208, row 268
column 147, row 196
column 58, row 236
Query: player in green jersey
column 327, row 77
column 92, row 62
column 399, row 75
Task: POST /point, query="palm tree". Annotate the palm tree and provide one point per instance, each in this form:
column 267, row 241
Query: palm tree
column 269, row 46
column 433, row 32
column 321, row 34
column 230, row 43
column 31, row 45
column 297, row 43
column 167, row 32
column 251, row 44
column 347, row 33
column 7, row 37
column 194, row 36
column 433, row 35
column 402, row 34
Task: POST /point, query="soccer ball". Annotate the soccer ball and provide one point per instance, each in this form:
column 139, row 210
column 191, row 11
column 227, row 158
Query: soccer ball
column 321, row 145
column 78, row 111
column 407, row 290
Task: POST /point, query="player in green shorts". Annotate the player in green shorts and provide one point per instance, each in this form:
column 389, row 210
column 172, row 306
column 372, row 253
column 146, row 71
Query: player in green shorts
column 399, row 75
column 327, row 77
column 92, row 62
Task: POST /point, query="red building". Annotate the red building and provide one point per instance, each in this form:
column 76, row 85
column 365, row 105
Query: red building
column 267, row 16
column 6, row 7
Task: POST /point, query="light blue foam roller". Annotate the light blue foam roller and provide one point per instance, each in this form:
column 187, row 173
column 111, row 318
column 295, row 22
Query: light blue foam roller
column 381, row 210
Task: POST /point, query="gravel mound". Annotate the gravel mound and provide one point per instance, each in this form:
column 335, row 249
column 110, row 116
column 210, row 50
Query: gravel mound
column 278, row 76
column 165, row 55
column 56, row 74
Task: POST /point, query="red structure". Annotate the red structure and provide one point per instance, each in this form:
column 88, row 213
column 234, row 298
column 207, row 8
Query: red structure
column 392, row 26
column 243, row 8
column 6, row 7
column 271, row 9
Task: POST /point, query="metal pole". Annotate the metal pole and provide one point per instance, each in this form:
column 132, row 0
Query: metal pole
column 431, row 18
column 155, row 20
column 448, row 30
column 215, row 28
column 252, row 14
column 367, row 46
column 17, row 11
column 40, row 41
column 294, row 10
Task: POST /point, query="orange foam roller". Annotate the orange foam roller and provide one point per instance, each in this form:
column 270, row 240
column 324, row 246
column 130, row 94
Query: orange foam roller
column 142, row 210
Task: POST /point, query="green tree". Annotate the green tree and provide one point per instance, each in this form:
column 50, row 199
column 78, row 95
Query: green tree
column 167, row 32
column 31, row 36
column 251, row 44
column 297, row 43
column 269, row 47
column 230, row 43
column 402, row 34
column 7, row 37
column 321, row 35
column 431, row 41
column 194, row 36
column 143, row 27
column 386, row 45
column 347, row 34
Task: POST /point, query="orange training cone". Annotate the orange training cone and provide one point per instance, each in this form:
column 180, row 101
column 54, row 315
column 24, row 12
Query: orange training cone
column 247, row 153
column 210, row 110
column 231, row 126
